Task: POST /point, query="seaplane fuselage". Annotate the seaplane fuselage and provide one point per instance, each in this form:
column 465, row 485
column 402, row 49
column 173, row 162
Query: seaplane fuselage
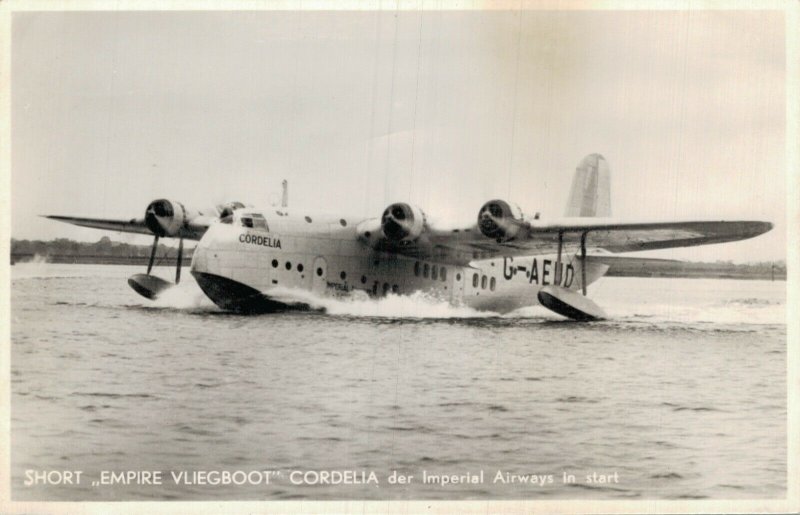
column 241, row 262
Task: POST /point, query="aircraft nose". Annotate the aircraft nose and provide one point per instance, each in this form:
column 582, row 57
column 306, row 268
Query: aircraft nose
column 200, row 258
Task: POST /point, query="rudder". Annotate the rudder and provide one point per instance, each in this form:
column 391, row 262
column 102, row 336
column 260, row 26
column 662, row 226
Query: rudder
column 590, row 195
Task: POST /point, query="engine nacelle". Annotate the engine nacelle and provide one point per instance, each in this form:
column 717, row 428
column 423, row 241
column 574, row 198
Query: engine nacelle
column 402, row 223
column 500, row 220
column 166, row 217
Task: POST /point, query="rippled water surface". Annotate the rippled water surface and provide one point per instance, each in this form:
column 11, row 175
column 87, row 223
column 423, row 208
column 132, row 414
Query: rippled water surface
column 682, row 394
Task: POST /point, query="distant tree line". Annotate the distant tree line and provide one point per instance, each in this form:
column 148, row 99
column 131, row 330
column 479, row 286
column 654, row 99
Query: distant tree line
column 105, row 250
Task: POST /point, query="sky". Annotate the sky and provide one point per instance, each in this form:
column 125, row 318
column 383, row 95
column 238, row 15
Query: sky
column 443, row 109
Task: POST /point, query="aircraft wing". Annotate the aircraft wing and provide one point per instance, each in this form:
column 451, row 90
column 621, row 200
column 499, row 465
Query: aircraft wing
column 193, row 231
column 135, row 225
column 460, row 246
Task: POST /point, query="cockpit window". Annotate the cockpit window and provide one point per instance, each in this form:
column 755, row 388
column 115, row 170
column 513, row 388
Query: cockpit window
column 254, row 221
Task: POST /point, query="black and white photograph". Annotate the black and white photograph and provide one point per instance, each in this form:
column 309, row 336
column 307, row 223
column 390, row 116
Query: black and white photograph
column 384, row 256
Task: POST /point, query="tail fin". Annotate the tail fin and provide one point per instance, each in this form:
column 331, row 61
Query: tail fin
column 590, row 194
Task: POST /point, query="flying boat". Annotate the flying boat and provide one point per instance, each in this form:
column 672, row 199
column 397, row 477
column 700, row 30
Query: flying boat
column 247, row 258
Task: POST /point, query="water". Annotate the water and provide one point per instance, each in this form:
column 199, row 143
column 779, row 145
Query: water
column 682, row 394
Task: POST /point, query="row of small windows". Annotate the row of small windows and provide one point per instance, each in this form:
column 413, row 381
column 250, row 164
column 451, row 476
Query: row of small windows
column 288, row 266
column 483, row 280
column 320, row 271
column 257, row 221
column 432, row 271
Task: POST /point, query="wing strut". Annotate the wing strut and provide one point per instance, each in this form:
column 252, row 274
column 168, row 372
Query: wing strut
column 152, row 255
column 583, row 263
column 558, row 257
column 180, row 261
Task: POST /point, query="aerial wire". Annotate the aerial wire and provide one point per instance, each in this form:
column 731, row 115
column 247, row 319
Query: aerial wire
column 514, row 101
column 387, row 175
column 416, row 100
column 371, row 135
column 111, row 108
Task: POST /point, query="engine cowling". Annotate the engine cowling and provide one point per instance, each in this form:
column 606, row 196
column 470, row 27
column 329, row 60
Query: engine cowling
column 500, row 220
column 165, row 217
column 402, row 223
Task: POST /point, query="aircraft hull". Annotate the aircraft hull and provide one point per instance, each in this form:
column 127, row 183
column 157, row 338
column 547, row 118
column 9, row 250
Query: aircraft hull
column 245, row 272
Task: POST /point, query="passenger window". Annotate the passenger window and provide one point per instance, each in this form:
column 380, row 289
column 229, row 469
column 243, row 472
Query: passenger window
column 492, row 284
column 247, row 222
column 416, row 268
column 425, row 271
column 443, row 274
column 434, row 272
column 483, row 282
column 474, row 280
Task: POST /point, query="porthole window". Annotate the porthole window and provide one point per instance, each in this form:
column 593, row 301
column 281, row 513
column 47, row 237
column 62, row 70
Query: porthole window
column 434, row 272
column 458, row 277
column 288, row 265
column 425, row 271
column 443, row 274
column 474, row 280
column 319, row 272
column 483, row 282
column 416, row 268
column 492, row 284
column 363, row 279
column 274, row 263
column 395, row 288
column 300, row 267
column 343, row 222
column 308, row 219
column 343, row 275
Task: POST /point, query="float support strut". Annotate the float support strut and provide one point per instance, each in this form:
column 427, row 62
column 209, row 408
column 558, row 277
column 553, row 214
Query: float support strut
column 558, row 257
column 583, row 263
column 180, row 261
column 152, row 255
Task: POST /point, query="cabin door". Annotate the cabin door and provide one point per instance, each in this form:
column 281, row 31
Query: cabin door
column 457, row 286
column 320, row 274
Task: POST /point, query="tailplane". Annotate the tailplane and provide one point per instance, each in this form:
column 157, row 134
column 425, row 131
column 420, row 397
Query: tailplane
column 590, row 195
